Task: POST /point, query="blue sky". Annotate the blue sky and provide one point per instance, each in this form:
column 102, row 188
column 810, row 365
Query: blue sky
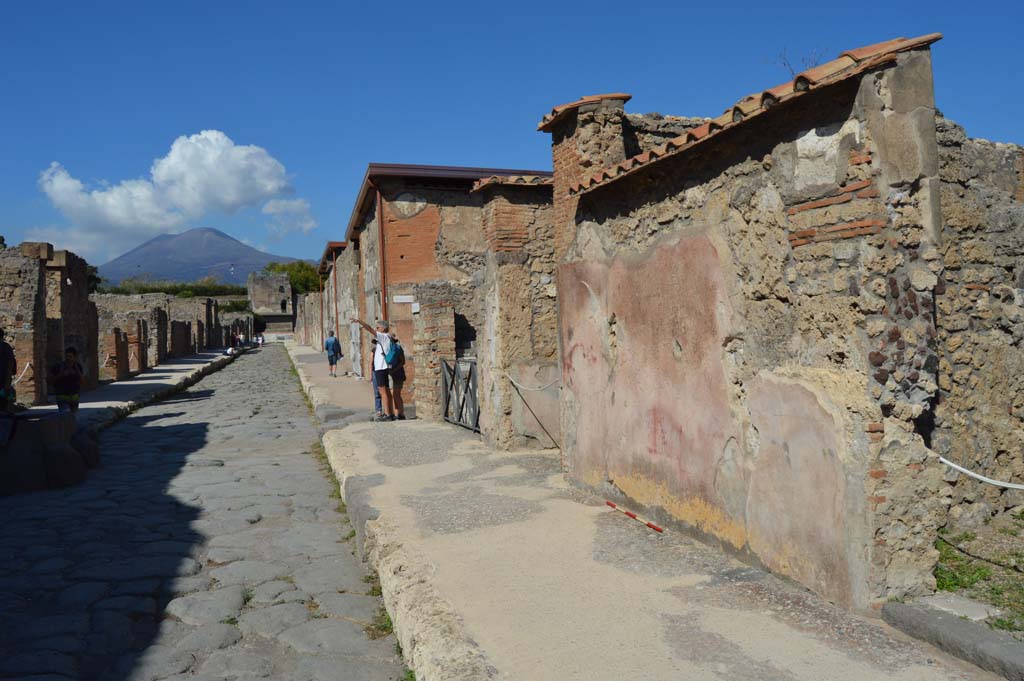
column 301, row 96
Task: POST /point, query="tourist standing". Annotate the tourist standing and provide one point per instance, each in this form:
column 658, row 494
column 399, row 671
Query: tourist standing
column 397, row 375
column 67, row 381
column 380, row 365
column 373, row 381
column 333, row 349
column 8, row 367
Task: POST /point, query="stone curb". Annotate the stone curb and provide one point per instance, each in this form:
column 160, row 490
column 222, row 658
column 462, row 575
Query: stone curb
column 112, row 415
column 434, row 642
column 991, row 650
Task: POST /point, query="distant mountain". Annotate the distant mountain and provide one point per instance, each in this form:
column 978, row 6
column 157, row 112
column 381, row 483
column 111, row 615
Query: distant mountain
column 188, row 256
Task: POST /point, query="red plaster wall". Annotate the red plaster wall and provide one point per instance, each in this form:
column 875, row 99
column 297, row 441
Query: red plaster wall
column 409, row 247
column 650, row 398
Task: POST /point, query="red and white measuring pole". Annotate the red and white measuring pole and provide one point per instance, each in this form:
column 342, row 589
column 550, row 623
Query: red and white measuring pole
column 634, row 516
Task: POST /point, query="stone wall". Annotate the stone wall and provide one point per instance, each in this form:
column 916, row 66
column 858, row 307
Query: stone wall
column 23, row 316
column 519, row 339
column 270, row 297
column 433, row 340
column 180, row 339
column 746, row 330
column 114, row 355
column 71, row 317
column 127, row 311
column 979, row 420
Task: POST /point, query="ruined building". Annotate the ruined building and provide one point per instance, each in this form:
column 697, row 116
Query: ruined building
column 270, row 297
column 772, row 324
column 431, row 237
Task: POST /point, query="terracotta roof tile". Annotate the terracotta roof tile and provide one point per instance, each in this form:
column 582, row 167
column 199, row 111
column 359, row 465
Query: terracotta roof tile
column 560, row 111
column 518, row 180
column 849, row 64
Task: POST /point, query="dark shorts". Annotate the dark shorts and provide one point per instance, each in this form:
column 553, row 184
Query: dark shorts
column 398, row 376
column 382, row 377
column 333, row 359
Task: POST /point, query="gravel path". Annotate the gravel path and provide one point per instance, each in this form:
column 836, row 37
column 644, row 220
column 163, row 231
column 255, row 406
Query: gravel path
column 206, row 547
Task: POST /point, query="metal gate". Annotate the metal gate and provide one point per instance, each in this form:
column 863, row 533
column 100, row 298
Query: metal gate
column 461, row 405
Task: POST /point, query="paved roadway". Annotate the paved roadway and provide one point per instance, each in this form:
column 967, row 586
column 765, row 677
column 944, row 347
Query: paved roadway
column 206, row 547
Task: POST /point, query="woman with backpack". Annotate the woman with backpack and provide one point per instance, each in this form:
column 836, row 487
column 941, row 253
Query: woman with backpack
column 397, row 363
column 381, row 369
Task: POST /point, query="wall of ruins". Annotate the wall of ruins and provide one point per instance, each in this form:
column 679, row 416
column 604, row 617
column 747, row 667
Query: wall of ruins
column 199, row 314
column 115, row 354
column 270, row 297
column 432, row 232
column 125, row 311
column 433, row 341
column 180, row 339
column 979, row 420
column 309, row 328
column 71, row 317
column 747, row 333
column 23, row 316
column 519, row 339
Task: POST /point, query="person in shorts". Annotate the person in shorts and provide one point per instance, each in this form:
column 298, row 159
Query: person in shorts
column 333, row 348
column 398, row 377
column 381, row 370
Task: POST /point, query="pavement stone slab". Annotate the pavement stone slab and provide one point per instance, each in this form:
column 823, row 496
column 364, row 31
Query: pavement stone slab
column 180, row 557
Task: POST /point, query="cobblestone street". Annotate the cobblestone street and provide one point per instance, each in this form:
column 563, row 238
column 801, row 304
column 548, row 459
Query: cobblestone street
column 207, row 546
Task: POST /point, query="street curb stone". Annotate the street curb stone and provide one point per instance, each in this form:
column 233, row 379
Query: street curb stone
column 434, row 641
column 991, row 650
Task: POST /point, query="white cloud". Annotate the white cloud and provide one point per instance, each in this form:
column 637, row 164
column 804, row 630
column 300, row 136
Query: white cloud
column 289, row 215
column 201, row 174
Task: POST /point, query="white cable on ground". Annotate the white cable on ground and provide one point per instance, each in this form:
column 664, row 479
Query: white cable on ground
column 23, row 372
column 976, row 476
column 530, row 389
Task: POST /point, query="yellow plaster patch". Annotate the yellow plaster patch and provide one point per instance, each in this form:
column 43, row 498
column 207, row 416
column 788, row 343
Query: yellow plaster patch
column 693, row 511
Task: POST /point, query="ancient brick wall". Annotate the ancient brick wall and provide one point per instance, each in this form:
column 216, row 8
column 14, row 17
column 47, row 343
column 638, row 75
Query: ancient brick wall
column 23, row 316
column 520, row 329
column 270, row 297
column 71, row 318
column 433, row 340
column 643, row 132
column 747, row 334
column 980, row 415
column 180, row 339
column 114, row 355
column 126, row 310
column 349, row 334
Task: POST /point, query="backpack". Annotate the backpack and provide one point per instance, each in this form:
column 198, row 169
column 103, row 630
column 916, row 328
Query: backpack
column 395, row 355
column 335, row 347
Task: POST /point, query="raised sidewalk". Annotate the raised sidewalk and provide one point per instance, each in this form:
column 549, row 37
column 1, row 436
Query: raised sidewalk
column 493, row 566
column 110, row 402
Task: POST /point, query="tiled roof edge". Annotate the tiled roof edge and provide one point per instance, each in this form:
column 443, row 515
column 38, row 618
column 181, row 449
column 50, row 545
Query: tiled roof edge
column 514, row 180
column 848, row 64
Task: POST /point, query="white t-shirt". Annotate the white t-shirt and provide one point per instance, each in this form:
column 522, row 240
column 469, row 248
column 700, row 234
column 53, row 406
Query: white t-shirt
column 382, row 349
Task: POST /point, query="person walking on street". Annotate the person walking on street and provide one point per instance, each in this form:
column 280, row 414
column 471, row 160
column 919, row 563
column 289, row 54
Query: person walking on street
column 381, row 370
column 67, row 381
column 333, row 348
column 8, row 367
